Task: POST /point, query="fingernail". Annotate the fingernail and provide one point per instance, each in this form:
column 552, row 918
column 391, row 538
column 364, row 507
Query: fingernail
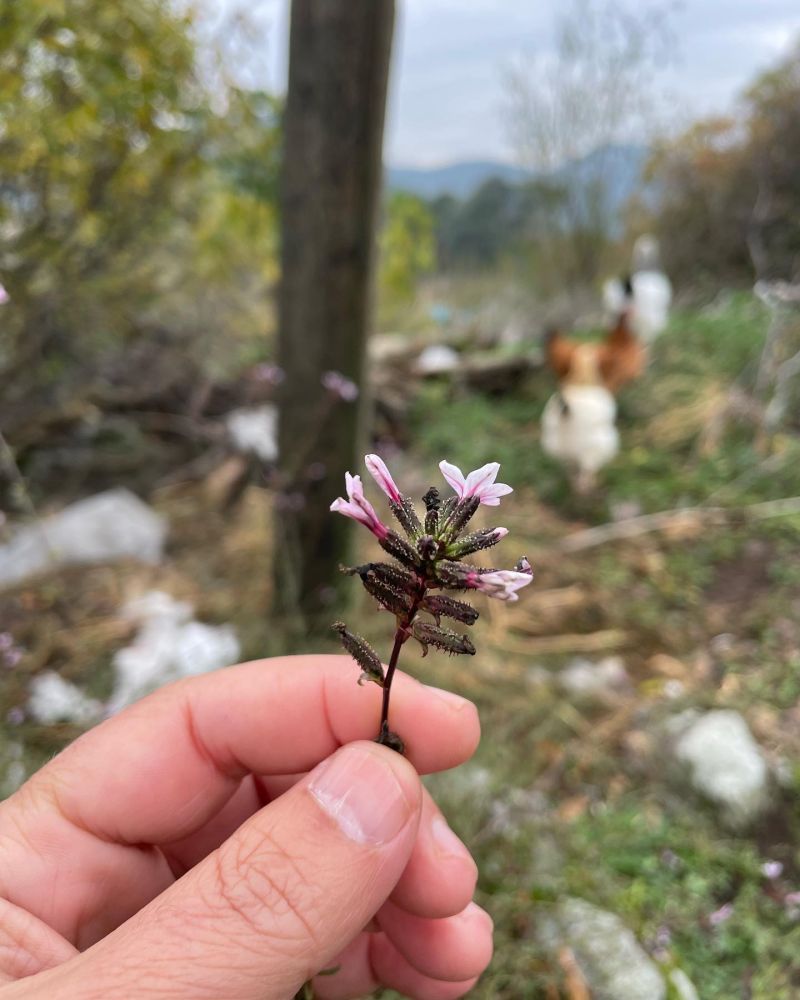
column 359, row 790
column 447, row 843
column 453, row 700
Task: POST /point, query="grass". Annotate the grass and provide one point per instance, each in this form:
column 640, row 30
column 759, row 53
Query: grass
column 564, row 797
column 570, row 799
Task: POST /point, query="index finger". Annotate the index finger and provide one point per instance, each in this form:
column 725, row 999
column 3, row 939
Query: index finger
column 165, row 766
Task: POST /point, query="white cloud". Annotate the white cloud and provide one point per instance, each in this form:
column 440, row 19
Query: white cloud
column 446, row 81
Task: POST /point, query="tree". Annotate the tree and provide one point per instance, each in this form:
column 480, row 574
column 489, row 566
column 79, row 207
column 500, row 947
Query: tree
column 333, row 131
column 120, row 210
column 729, row 188
column 572, row 107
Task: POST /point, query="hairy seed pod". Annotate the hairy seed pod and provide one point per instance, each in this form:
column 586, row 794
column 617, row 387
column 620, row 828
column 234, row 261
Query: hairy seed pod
column 400, row 550
column 447, row 508
column 462, row 515
column 474, row 542
column 439, row 604
column 407, row 517
column 391, row 599
column 427, row 634
column 392, row 576
column 456, row 575
column 361, row 651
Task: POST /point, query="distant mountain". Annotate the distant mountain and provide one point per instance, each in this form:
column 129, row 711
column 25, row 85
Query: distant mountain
column 457, row 179
column 622, row 164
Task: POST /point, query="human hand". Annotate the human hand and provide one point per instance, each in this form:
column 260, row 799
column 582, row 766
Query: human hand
column 205, row 844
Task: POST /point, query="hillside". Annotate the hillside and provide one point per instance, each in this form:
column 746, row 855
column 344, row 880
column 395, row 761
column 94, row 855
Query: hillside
column 461, row 179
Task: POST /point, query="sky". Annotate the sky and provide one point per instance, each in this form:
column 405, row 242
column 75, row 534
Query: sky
column 446, row 91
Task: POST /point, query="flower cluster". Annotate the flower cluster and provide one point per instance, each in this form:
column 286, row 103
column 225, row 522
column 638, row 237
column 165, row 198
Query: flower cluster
column 427, row 559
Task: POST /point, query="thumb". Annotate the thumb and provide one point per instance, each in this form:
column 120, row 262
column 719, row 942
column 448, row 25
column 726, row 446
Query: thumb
column 278, row 900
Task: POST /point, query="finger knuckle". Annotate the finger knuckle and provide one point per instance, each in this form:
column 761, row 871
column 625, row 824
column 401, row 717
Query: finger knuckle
column 259, row 881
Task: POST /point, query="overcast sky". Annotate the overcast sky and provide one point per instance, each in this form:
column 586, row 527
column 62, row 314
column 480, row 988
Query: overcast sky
column 449, row 57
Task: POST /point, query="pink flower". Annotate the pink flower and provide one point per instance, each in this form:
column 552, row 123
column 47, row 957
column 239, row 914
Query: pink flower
column 377, row 469
column 358, row 507
column 480, row 483
column 340, row 386
column 725, row 912
column 502, row 583
column 272, row 374
column 4, row 296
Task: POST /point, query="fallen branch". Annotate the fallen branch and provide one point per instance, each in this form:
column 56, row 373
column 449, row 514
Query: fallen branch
column 592, row 642
column 687, row 518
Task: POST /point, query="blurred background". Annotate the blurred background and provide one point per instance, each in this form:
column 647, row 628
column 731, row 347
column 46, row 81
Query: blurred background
column 243, row 243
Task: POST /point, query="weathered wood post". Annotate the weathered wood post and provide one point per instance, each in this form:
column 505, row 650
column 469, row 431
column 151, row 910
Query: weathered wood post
column 338, row 72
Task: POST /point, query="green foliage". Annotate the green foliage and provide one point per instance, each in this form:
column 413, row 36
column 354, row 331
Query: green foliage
column 407, row 247
column 124, row 195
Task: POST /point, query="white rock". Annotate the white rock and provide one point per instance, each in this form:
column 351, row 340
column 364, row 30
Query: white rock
column 583, row 678
column 107, row 526
column 156, row 604
column 168, row 646
column 683, row 986
column 52, row 699
column 612, row 961
column 202, row 648
column 726, row 765
column 254, row 430
column 12, row 768
column 438, row 359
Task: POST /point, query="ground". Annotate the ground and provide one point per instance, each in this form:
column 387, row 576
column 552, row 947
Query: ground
column 566, row 795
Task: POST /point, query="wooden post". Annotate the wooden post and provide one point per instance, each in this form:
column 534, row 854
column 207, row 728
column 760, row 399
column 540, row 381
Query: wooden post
column 332, row 171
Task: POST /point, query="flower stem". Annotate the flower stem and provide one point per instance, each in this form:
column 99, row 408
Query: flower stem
column 399, row 638
column 385, row 735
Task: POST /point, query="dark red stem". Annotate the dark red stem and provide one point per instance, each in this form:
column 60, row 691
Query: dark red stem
column 400, row 637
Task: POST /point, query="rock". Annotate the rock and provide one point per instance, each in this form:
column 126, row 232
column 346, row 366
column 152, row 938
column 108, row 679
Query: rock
column 107, row 526
column 52, row 699
column 682, row 985
column 168, row 646
column 438, row 359
column 254, row 430
column 584, row 679
column 613, row 963
column 726, row 765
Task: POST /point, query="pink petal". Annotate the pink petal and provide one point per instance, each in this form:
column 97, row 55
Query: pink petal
column 482, row 478
column 490, row 497
column 379, row 472
column 454, row 476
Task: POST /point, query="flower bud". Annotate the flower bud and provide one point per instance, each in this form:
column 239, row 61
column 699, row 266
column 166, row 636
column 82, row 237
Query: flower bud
column 432, row 503
column 361, row 651
column 475, row 541
column 440, row 604
column 428, row 547
column 427, row 634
